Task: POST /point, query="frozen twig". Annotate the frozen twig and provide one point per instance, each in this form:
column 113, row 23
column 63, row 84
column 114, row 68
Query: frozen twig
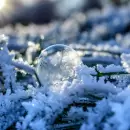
column 27, row 68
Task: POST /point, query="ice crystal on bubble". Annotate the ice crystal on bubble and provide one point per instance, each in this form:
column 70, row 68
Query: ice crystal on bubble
column 57, row 63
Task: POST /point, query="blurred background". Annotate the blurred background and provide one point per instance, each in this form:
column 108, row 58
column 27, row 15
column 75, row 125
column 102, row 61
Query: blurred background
column 44, row 11
column 33, row 25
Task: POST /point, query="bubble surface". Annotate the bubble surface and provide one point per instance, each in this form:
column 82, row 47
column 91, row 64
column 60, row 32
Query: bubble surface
column 56, row 64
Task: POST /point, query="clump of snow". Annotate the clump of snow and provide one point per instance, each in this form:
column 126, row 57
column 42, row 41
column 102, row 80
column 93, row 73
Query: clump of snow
column 110, row 68
column 126, row 61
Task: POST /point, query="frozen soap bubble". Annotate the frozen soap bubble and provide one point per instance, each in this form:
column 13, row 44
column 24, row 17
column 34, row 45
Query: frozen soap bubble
column 57, row 64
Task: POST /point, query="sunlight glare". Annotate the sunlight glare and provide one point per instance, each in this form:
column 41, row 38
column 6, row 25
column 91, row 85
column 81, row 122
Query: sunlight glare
column 2, row 4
